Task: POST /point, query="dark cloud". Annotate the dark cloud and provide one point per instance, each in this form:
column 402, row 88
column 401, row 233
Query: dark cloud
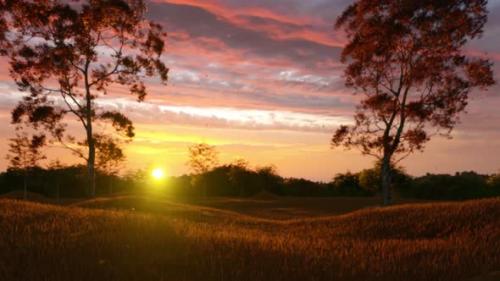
column 198, row 22
column 324, row 10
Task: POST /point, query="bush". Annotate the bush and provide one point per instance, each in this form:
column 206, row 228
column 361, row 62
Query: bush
column 304, row 187
column 347, row 185
column 371, row 179
column 494, row 182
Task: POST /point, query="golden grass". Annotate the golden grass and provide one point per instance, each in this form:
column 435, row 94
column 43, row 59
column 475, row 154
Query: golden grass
column 279, row 208
column 177, row 241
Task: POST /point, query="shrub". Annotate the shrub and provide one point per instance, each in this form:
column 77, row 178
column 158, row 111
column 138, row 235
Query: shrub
column 348, row 185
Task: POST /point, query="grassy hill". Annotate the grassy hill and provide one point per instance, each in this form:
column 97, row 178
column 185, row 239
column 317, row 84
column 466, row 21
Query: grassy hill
column 141, row 238
column 268, row 207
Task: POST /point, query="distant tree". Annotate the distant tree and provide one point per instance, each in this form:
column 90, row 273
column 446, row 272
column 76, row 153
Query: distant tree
column 241, row 163
column 407, row 58
column 56, row 167
column 347, row 184
column 370, row 179
column 267, row 170
column 110, row 158
column 202, row 159
column 304, row 187
column 25, row 154
column 67, row 55
column 270, row 179
column 238, row 175
column 136, row 178
column 109, row 154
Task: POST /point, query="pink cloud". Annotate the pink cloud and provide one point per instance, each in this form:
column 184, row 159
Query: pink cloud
column 275, row 25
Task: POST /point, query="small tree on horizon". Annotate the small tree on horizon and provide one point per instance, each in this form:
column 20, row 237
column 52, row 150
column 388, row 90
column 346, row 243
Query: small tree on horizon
column 109, row 155
column 238, row 174
column 202, row 159
column 67, row 55
column 109, row 158
column 407, row 59
column 270, row 178
column 25, row 154
column 371, row 179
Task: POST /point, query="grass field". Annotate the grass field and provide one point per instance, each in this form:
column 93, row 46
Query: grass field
column 145, row 238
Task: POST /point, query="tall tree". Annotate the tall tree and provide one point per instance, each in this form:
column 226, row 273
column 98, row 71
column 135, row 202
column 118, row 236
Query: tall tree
column 406, row 57
column 25, row 154
column 68, row 54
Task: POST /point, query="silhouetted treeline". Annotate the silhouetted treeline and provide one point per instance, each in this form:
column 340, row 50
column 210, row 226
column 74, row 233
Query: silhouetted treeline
column 238, row 181
column 229, row 180
column 463, row 185
column 66, row 182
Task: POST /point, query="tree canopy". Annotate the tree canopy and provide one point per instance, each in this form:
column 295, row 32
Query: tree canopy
column 68, row 55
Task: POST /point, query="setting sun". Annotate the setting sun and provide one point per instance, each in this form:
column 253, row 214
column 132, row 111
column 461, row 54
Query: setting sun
column 250, row 140
column 158, row 173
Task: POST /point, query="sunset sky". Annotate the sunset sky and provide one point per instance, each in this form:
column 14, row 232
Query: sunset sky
column 261, row 80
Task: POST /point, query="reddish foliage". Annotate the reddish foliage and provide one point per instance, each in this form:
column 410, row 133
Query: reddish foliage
column 406, row 57
column 73, row 51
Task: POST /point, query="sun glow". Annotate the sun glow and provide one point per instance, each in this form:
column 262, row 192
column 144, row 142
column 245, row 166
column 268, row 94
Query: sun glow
column 158, row 173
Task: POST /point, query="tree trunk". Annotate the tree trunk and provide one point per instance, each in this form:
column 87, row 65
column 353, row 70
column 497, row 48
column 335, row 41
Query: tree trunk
column 58, row 192
column 91, row 164
column 205, row 188
column 386, row 180
column 25, row 186
column 90, row 141
column 110, row 185
column 90, row 160
column 90, row 134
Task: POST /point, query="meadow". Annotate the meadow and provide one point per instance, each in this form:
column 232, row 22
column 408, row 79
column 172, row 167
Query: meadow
column 142, row 237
